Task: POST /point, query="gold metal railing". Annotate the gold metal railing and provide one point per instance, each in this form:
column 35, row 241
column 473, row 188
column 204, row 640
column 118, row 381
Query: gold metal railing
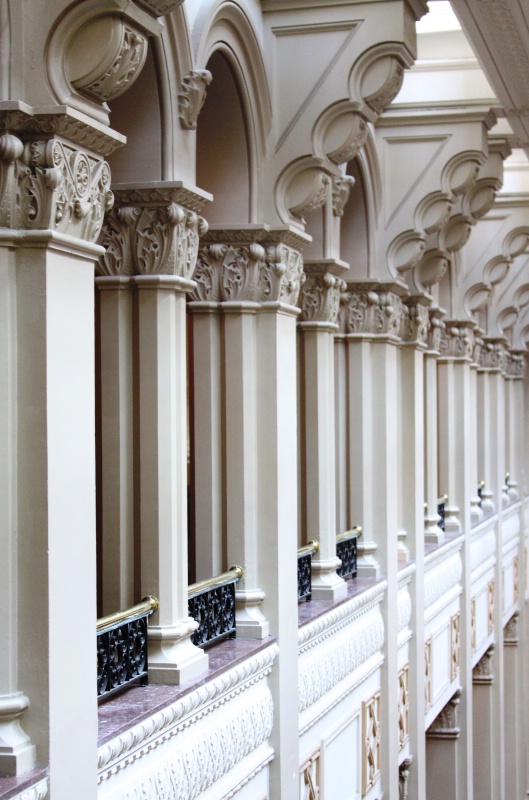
column 147, row 606
column 355, row 531
column 309, row 549
column 233, row 574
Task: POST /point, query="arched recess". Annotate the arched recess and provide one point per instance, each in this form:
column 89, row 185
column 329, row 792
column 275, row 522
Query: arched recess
column 223, row 150
column 225, row 30
column 354, row 230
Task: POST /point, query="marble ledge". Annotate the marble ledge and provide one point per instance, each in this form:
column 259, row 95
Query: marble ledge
column 308, row 611
column 12, row 787
column 139, row 702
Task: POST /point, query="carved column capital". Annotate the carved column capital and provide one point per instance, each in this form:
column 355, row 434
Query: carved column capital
column 457, row 341
column 254, row 263
column 416, row 323
column 446, row 724
column 374, row 310
column 154, row 229
column 482, row 672
column 435, row 329
column 322, row 290
column 515, row 364
column 510, row 632
column 493, row 355
column 53, row 175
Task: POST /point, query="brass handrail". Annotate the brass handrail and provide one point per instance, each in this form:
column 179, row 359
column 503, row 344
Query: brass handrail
column 310, row 548
column 355, row 532
column 442, row 499
column 147, row 606
column 233, row 574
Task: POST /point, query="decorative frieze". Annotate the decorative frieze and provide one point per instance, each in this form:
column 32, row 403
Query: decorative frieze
column 371, row 738
column 48, row 183
column 147, row 236
column 403, row 705
column 482, row 672
column 446, row 724
column 457, row 342
column 321, row 291
column 192, row 97
column 373, row 311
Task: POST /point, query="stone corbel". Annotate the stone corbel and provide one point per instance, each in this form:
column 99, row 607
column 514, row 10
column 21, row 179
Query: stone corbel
column 322, row 290
column 154, row 229
column 510, row 632
column 446, row 724
column 483, row 674
column 404, row 772
column 52, row 173
column 192, row 97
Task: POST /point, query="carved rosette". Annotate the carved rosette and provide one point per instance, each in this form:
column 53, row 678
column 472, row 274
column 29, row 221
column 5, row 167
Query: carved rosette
column 457, row 342
column 416, row 323
column 47, row 183
column 373, row 312
column 146, row 236
column 192, row 97
column 493, row 355
column 320, row 294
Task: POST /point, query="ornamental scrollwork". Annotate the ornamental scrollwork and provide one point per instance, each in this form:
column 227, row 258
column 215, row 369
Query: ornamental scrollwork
column 52, row 184
column 282, row 274
column 125, row 68
column 456, row 342
column 493, row 355
column 377, row 313
column 228, row 272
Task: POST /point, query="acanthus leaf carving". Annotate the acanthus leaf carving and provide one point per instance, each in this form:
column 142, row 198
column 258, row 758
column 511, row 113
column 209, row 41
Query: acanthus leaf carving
column 416, row 323
column 123, row 71
column 192, row 97
column 376, row 312
column 457, row 342
column 493, row 355
column 282, row 274
column 320, row 294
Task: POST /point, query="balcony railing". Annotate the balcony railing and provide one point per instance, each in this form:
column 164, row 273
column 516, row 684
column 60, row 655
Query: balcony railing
column 305, row 570
column 212, row 605
column 481, row 486
column 122, row 648
column 347, row 550
column 441, row 503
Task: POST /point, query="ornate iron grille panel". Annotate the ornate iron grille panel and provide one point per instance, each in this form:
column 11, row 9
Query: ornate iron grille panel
column 441, row 511
column 304, row 576
column 122, row 656
column 480, row 492
column 214, row 610
column 347, row 551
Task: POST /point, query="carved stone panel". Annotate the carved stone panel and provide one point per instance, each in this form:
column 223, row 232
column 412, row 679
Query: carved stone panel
column 403, row 705
column 455, row 645
column 490, row 607
column 371, row 762
column 309, row 773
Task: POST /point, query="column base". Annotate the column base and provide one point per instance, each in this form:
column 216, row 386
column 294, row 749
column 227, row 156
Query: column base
column 487, row 504
column 326, row 584
column 433, row 534
column 173, row 658
column 249, row 619
column 17, row 753
column 403, row 553
column 452, row 524
column 476, row 512
column 367, row 565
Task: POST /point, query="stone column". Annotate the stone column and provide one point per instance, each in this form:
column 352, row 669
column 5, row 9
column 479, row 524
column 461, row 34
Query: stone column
column 476, row 512
column 443, row 760
column 320, row 300
column 55, row 192
column 513, row 709
column 455, row 409
column 163, row 235
column 374, row 315
column 514, row 422
column 483, row 725
column 415, row 330
column 432, row 532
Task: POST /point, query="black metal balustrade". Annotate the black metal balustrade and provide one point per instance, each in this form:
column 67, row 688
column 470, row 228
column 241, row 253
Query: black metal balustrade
column 122, row 648
column 347, row 550
column 441, row 503
column 481, row 486
column 212, row 605
column 305, row 570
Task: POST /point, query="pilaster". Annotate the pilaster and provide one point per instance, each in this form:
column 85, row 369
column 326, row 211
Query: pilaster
column 483, row 725
column 432, row 532
column 320, row 301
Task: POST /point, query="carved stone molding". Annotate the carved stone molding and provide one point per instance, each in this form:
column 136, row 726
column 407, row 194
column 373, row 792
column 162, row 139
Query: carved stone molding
column 445, row 725
column 482, row 672
column 440, row 578
column 192, row 97
column 373, row 311
column 48, row 182
column 510, row 632
column 146, row 236
column 371, row 740
column 404, row 772
column 38, row 791
column 457, row 342
column 403, row 705
column 322, row 290
column 255, row 264
column 493, row 355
